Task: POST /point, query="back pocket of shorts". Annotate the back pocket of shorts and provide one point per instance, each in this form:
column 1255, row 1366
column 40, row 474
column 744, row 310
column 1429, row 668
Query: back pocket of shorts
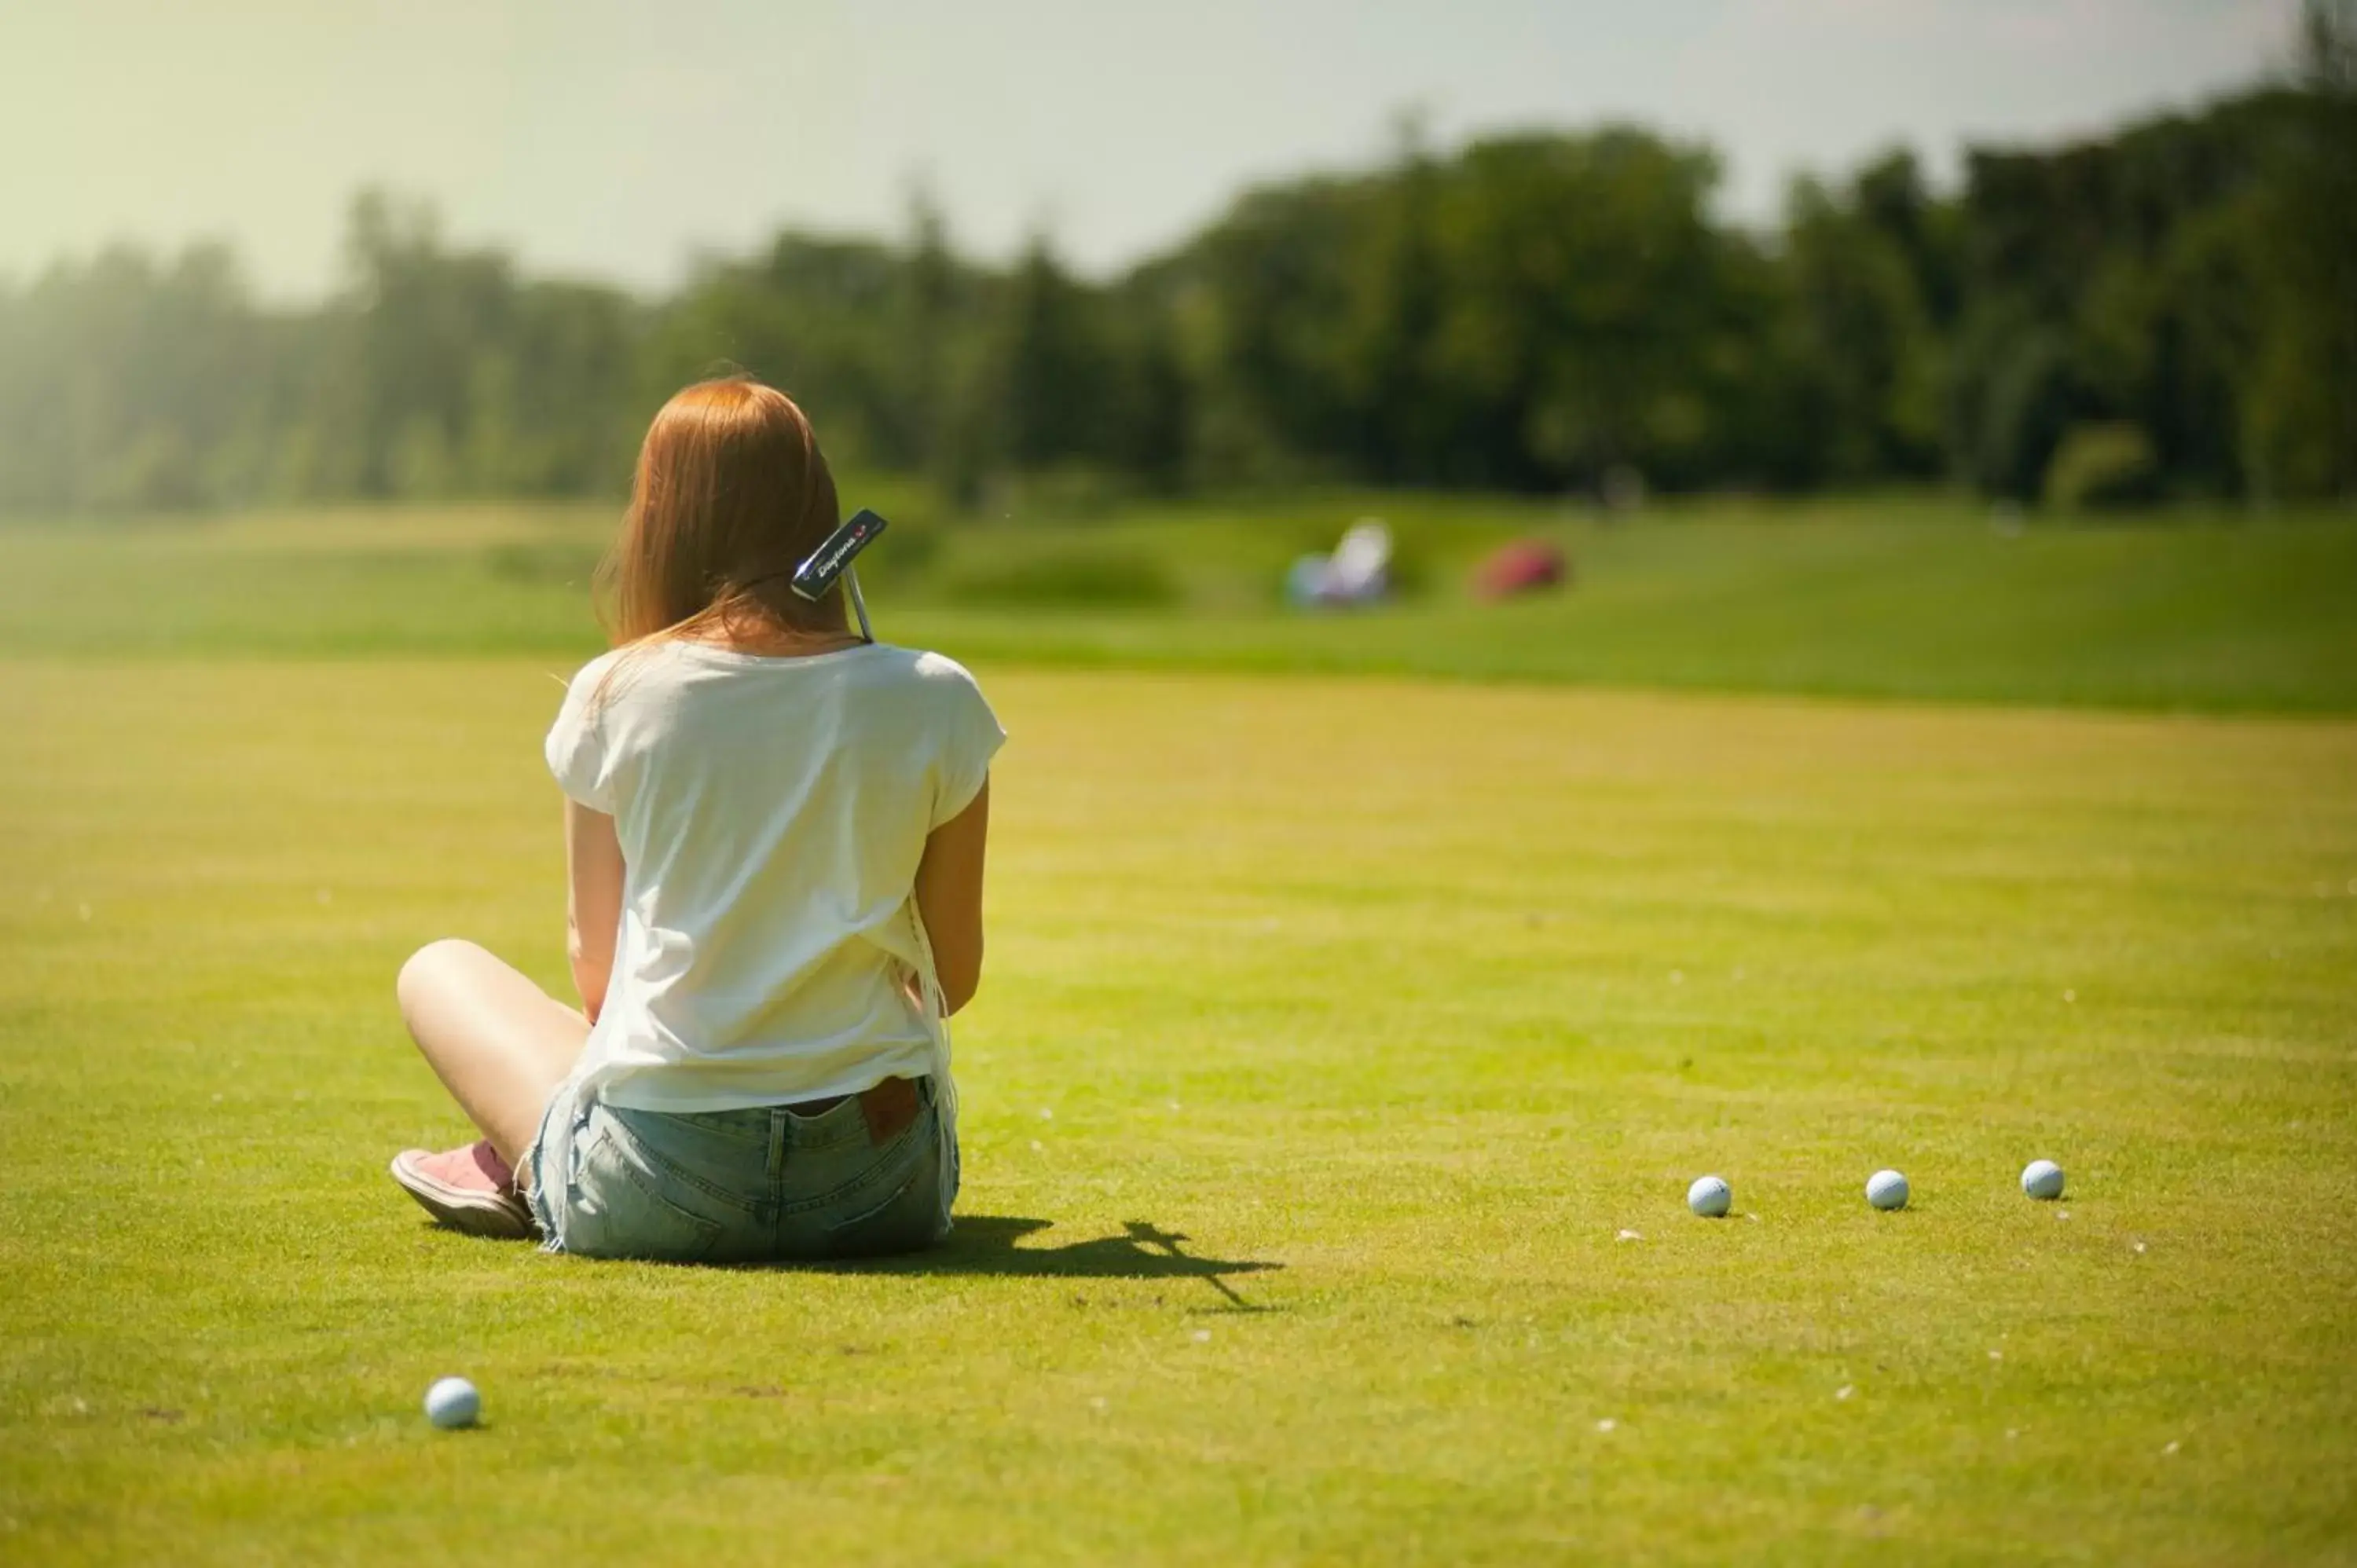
column 903, row 1216
column 620, row 1211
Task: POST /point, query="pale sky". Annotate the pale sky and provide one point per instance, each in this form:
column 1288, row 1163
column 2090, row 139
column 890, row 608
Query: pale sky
column 615, row 140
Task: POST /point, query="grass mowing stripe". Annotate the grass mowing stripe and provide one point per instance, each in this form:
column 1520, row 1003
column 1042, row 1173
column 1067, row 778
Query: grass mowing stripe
column 1893, row 598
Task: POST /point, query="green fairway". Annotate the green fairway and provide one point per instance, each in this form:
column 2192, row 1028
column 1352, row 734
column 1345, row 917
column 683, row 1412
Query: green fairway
column 1346, row 1049
column 1893, row 598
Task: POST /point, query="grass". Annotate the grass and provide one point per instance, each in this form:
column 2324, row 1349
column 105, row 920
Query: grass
column 1347, row 1048
column 1404, row 1005
column 1891, row 598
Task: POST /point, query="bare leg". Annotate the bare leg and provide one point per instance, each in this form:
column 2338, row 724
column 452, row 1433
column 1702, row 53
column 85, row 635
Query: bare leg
column 499, row 1042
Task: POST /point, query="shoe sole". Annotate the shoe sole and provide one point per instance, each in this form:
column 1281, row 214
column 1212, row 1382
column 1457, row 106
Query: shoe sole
column 475, row 1213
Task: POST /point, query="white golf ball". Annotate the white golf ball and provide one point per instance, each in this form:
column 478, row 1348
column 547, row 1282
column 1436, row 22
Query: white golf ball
column 453, row 1402
column 2042, row 1178
column 1710, row 1196
column 1886, row 1189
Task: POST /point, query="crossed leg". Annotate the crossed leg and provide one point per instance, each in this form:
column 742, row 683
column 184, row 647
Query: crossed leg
column 498, row 1042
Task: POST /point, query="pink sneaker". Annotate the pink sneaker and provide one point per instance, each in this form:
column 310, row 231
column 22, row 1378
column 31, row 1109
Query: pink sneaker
column 469, row 1189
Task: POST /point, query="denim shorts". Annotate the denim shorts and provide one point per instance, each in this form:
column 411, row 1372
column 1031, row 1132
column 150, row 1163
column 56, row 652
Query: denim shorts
column 724, row 1187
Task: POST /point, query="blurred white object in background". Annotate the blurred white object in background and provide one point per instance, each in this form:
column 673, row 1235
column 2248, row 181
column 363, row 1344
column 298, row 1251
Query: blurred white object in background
column 1358, row 573
column 1362, row 566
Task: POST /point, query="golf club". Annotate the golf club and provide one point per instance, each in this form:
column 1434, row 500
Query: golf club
column 832, row 559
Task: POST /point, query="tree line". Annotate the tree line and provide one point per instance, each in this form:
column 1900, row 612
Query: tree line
column 2166, row 311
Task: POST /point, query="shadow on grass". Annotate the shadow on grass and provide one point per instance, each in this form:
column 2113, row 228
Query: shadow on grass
column 986, row 1244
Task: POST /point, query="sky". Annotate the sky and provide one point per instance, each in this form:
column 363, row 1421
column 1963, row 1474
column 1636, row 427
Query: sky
column 598, row 138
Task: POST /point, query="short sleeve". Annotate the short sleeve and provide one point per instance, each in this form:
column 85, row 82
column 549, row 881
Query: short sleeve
column 971, row 737
column 576, row 744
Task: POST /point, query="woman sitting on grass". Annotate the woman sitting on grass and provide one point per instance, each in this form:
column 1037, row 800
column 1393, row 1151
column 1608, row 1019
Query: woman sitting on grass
column 773, row 838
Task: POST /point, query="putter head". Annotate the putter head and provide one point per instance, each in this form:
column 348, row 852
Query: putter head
column 830, row 559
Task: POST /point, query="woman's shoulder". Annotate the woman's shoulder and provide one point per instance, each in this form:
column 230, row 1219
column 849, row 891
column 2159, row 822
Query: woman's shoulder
column 888, row 664
column 594, row 688
column 938, row 668
column 586, row 685
column 596, row 670
column 926, row 683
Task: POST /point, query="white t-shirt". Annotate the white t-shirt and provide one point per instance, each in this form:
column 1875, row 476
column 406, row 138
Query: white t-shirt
column 772, row 814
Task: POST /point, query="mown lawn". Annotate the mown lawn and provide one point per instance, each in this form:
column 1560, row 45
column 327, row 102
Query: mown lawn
column 1346, row 1050
column 1898, row 597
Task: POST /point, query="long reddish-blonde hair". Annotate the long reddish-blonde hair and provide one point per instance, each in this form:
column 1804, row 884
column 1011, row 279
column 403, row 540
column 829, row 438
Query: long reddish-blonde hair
column 731, row 494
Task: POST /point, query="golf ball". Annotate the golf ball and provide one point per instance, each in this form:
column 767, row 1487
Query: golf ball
column 2042, row 1178
column 453, row 1402
column 1886, row 1189
column 1709, row 1197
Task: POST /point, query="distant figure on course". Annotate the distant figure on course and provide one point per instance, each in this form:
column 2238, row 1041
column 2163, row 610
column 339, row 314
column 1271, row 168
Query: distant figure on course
column 1358, row 573
column 774, row 832
column 1524, row 566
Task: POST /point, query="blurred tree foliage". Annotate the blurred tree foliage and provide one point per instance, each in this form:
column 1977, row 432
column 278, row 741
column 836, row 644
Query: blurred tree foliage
column 1536, row 312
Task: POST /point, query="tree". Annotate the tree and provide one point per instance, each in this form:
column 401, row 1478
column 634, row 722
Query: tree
column 1871, row 272
column 2300, row 416
column 1051, row 380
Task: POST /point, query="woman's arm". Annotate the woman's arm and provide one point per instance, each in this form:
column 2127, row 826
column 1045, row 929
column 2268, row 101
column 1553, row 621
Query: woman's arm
column 949, row 898
column 593, row 901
